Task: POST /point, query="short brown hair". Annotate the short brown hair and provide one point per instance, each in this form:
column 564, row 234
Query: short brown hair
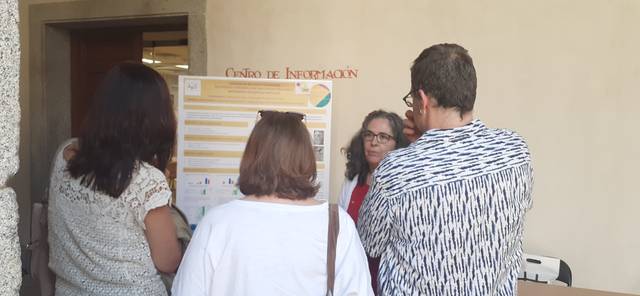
column 446, row 73
column 278, row 158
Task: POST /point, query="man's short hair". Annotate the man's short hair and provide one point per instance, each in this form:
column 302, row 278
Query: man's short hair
column 445, row 73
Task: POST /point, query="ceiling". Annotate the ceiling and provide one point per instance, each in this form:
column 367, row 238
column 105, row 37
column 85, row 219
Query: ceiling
column 166, row 52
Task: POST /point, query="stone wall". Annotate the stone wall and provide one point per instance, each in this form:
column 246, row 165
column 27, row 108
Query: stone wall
column 10, row 275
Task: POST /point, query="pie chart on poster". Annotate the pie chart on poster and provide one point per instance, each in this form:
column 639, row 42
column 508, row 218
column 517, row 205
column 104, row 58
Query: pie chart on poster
column 320, row 95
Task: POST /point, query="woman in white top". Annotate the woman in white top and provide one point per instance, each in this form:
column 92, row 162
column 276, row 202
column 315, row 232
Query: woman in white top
column 110, row 228
column 381, row 132
column 274, row 240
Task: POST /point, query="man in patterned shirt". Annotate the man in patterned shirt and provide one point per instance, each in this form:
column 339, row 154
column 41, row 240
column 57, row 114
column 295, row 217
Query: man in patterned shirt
column 446, row 214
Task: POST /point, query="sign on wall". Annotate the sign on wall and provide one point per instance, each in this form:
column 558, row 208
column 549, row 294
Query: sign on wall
column 216, row 116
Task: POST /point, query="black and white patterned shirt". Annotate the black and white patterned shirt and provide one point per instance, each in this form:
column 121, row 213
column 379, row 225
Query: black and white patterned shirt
column 446, row 214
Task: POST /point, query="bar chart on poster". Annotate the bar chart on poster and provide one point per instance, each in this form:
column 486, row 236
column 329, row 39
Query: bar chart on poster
column 215, row 118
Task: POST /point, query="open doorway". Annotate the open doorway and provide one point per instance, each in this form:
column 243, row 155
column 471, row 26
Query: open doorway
column 168, row 53
column 94, row 51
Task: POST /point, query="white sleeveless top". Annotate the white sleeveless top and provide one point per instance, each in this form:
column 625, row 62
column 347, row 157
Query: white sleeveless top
column 97, row 242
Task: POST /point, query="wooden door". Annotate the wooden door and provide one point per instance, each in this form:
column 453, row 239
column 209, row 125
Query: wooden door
column 93, row 53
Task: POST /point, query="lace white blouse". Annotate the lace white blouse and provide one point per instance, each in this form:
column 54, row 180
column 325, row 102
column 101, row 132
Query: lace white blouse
column 97, row 242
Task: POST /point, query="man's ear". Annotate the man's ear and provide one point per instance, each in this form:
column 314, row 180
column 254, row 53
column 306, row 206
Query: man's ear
column 425, row 101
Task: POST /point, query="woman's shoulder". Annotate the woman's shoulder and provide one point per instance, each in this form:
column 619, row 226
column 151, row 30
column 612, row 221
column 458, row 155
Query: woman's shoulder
column 147, row 184
column 63, row 154
column 354, row 179
column 348, row 229
column 66, row 150
column 222, row 215
column 145, row 172
column 346, row 222
column 149, row 168
column 347, row 188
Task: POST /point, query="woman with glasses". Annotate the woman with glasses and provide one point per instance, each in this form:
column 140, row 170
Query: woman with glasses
column 273, row 241
column 381, row 133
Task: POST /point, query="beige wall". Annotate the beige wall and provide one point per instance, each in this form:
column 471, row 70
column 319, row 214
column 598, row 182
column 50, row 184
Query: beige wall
column 562, row 73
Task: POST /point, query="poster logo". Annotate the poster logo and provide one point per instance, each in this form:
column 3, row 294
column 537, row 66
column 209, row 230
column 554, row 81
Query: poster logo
column 192, row 87
column 320, row 95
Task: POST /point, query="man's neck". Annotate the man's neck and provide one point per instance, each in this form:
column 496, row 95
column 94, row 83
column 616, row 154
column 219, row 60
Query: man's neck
column 449, row 119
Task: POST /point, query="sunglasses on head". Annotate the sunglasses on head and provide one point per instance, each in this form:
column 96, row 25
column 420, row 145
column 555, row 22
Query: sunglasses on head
column 267, row 113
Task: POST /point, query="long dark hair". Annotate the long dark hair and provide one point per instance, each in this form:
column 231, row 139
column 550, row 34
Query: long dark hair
column 356, row 161
column 131, row 121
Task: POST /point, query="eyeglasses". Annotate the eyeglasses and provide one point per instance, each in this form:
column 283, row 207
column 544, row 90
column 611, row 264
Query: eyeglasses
column 408, row 99
column 267, row 113
column 383, row 138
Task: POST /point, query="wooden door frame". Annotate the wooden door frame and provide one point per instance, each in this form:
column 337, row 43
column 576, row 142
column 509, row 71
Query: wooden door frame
column 49, row 64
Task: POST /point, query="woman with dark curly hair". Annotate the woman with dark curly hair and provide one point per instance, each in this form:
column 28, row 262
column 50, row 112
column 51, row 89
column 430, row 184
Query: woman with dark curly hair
column 381, row 133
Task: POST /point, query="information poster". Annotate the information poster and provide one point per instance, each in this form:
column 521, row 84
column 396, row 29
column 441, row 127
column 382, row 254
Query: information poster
column 216, row 116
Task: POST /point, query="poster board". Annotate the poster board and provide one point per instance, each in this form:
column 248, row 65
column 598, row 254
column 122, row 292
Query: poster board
column 215, row 118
